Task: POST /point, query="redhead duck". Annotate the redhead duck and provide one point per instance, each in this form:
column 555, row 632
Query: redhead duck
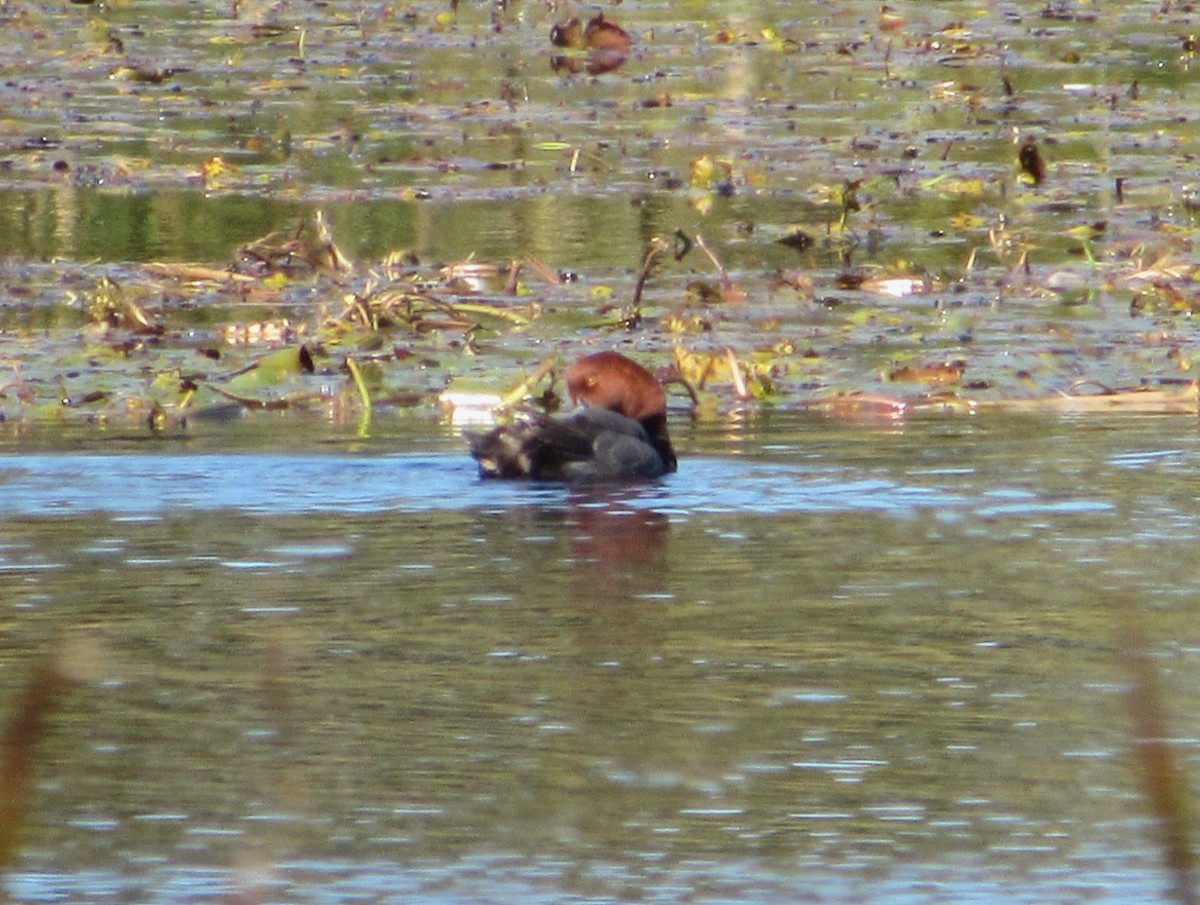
column 620, row 433
column 607, row 46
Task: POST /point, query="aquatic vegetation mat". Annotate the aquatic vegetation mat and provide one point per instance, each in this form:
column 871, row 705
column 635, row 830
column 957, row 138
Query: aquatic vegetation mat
column 209, row 210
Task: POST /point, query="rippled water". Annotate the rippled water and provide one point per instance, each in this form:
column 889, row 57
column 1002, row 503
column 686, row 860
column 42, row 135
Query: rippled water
column 820, row 663
column 831, row 663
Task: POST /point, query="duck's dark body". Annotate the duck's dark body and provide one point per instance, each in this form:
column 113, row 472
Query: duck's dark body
column 591, row 444
column 620, row 434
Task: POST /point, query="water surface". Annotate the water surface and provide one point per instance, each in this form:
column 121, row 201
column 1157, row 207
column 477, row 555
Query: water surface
column 822, row 662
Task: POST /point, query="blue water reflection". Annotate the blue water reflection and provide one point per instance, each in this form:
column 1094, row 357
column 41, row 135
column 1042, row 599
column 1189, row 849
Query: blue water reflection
column 552, row 881
column 816, row 664
column 147, row 485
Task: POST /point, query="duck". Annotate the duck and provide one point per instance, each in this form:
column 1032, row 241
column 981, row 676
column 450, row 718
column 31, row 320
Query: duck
column 604, row 45
column 618, row 434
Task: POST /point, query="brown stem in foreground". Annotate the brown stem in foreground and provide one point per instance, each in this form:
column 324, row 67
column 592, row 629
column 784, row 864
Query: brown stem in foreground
column 540, row 268
column 729, row 292
column 735, row 374
column 686, row 384
column 726, row 284
column 522, row 389
column 50, row 677
column 514, row 276
column 658, row 245
column 1165, row 787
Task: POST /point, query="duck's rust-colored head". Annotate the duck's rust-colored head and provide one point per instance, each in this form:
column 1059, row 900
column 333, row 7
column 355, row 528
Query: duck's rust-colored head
column 609, row 380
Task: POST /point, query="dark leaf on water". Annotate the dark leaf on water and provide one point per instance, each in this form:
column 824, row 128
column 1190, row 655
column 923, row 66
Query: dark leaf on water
column 1030, row 159
column 797, row 239
column 143, row 73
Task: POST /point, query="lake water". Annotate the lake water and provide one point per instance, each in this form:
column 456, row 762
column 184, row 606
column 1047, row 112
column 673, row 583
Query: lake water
column 828, row 661
column 823, row 662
